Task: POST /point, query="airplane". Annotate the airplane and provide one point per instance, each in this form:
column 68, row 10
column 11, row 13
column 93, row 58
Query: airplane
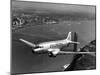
column 53, row 47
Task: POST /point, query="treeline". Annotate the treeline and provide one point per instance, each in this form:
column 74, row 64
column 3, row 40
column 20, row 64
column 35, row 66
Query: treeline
column 20, row 20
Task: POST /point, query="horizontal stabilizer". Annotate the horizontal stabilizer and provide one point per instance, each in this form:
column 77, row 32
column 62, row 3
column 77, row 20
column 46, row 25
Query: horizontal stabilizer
column 75, row 42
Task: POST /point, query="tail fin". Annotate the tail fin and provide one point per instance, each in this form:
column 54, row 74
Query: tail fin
column 28, row 43
column 69, row 36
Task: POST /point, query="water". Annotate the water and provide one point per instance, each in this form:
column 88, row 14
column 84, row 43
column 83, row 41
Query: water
column 24, row 61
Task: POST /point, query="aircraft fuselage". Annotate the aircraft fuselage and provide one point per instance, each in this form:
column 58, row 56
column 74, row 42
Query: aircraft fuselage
column 52, row 44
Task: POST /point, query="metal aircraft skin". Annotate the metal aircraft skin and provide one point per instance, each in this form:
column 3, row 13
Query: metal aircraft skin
column 53, row 47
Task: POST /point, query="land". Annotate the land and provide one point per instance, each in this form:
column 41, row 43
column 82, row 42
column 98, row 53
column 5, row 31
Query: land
column 85, row 62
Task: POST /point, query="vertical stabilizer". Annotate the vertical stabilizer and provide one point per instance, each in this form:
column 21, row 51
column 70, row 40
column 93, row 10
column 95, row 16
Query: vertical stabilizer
column 69, row 36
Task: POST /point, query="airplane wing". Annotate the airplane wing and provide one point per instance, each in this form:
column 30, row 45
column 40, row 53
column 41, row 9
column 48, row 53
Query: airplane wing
column 90, row 53
column 56, row 51
column 28, row 43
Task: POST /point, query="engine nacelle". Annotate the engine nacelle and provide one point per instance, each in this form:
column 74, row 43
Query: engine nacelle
column 51, row 54
column 33, row 51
